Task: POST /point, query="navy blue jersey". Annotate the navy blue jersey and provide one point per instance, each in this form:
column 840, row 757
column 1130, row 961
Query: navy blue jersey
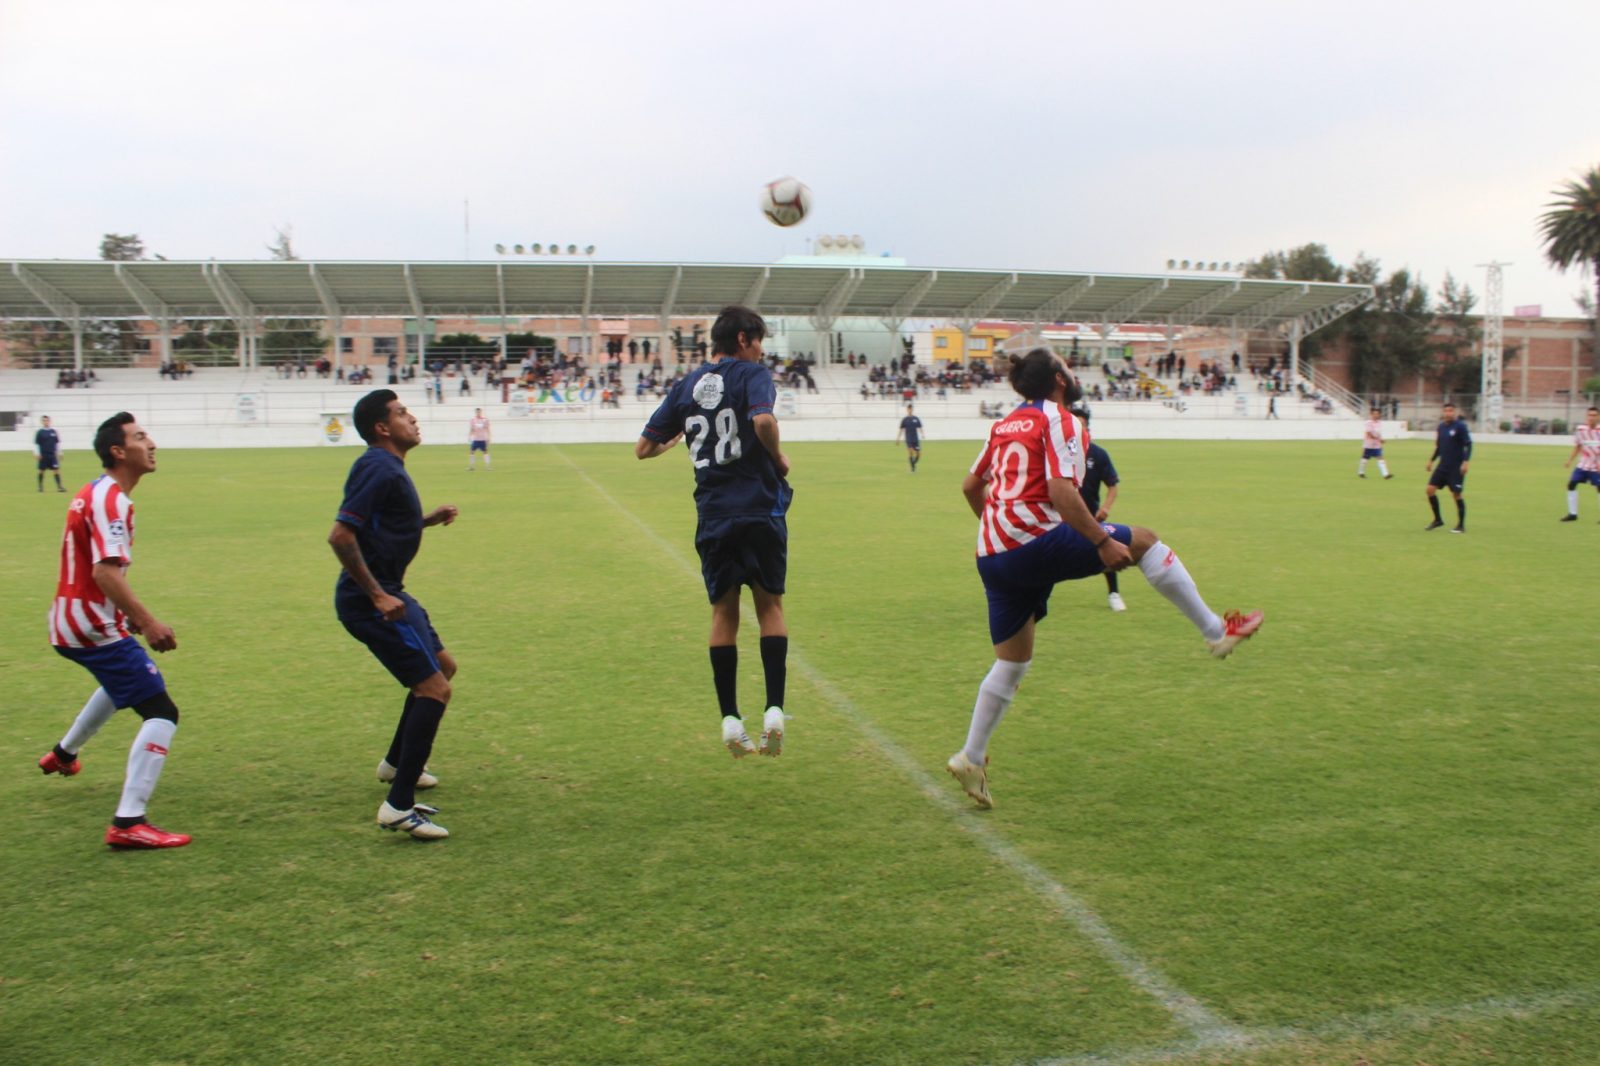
column 913, row 427
column 48, row 441
column 382, row 504
column 1453, row 444
column 714, row 409
column 1097, row 471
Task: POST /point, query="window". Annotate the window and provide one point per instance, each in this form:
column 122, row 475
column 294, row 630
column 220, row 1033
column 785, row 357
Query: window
column 941, row 342
column 385, row 346
column 413, row 344
column 977, row 344
column 347, row 345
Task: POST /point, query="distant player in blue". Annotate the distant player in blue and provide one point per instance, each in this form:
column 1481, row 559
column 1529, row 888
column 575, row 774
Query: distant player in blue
column 1453, row 449
column 723, row 414
column 376, row 535
column 47, row 449
column 1098, row 471
column 911, row 426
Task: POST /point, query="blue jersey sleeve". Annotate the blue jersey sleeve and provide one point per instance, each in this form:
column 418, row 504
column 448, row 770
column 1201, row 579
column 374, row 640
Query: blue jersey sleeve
column 759, row 392
column 364, row 493
column 1108, row 470
column 667, row 421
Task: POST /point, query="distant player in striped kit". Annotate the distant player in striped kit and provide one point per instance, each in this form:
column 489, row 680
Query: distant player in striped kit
column 1586, row 450
column 93, row 620
column 1034, row 531
column 1372, row 444
column 477, row 437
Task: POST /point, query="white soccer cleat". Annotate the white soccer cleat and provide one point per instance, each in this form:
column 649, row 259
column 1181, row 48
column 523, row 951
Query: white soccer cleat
column 735, row 739
column 772, row 732
column 974, row 778
column 386, row 774
column 416, row 821
column 1236, row 627
column 1114, row 601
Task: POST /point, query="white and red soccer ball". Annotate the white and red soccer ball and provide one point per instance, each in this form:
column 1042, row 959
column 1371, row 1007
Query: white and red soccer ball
column 785, row 201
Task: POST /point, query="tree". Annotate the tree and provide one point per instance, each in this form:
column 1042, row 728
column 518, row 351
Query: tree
column 1389, row 337
column 1571, row 232
column 1458, row 342
column 122, row 247
column 1309, row 262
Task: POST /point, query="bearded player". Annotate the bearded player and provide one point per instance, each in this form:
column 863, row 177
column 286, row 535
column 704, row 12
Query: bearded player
column 1034, row 531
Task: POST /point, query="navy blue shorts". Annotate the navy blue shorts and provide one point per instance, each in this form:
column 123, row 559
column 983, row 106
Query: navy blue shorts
column 479, row 446
column 1019, row 582
column 1372, row 453
column 408, row 649
column 49, row 462
column 1584, row 477
column 1452, row 479
column 742, row 551
column 123, row 668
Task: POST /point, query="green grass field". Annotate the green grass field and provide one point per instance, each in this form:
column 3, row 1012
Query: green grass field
column 1371, row 835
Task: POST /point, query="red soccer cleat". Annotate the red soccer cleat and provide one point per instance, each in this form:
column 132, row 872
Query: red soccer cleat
column 51, row 764
column 144, row 835
column 1236, row 627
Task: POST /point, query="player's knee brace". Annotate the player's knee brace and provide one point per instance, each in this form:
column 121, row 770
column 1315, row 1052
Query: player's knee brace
column 158, row 706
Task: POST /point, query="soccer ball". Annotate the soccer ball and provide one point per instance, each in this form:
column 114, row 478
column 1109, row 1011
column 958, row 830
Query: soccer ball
column 785, row 201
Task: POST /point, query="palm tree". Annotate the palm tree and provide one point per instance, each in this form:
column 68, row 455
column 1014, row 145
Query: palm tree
column 1571, row 231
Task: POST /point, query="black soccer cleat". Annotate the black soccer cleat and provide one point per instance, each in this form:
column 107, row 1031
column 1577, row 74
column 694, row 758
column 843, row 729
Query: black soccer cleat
column 1570, row 518
column 1431, row 526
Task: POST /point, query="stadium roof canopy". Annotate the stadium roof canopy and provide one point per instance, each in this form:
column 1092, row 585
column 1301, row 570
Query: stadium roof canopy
column 250, row 291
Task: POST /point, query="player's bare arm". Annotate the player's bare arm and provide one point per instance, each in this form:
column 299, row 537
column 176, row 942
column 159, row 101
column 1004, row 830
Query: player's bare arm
column 976, row 490
column 1065, row 498
column 344, row 544
column 441, row 516
column 114, row 583
column 1111, row 499
column 766, row 427
column 645, row 448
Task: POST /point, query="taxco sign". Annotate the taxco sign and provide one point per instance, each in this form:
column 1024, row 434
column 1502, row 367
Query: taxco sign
column 545, row 400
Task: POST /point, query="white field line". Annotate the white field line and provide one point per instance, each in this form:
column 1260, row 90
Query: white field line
column 1207, row 1029
column 1382, row 1024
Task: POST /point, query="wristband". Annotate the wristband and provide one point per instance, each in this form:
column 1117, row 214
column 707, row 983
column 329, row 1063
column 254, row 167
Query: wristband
column 1102, row 543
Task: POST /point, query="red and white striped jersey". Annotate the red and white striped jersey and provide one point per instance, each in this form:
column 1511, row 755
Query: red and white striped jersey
column 1589, row 447
column 477, row 429
column 99, row 529
column 1372, row 434
column 1038, row 441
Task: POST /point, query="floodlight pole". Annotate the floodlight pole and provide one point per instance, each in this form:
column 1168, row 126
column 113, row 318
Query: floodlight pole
column 1493, row 347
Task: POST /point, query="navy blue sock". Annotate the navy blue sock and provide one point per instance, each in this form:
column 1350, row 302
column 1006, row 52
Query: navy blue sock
column 775, row 663
column 725, row 675
column 422, row 725
column 393, row 758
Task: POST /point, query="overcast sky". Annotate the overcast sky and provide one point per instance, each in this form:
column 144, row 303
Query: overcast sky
column 993, row 133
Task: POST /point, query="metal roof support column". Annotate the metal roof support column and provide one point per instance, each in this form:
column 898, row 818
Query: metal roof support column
column 59, row 305
column 1296, row 331
column 421, row 317
column 666, row 304
column 150, row 304
column 234, row 301
column 970, row 315
column 753, row 296
column 330, row 306
column 588, row 301
column 500, row 288
column 1125, row 309
column 827, row 311
column 1053, row 309
column 896, row 316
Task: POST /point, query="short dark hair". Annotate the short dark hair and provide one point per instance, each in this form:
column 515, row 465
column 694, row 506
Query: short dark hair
column 1033, row 374
column 1080, row 410
column 1595, row 409
column 733, row 321
column 370, row 410
column 111, row 435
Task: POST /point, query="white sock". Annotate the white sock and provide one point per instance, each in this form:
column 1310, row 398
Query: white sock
column 95, row 714
column 994, row 696
column 1383, row 468
column 486, row 460
column 1572, row 508
column 1167, row 575
column 145, row 761
column 1362, row 469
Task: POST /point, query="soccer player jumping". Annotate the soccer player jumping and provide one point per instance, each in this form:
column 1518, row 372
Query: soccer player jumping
column 376, row 535
column 1034, row 531
column 723, row 413
column 92, row 621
